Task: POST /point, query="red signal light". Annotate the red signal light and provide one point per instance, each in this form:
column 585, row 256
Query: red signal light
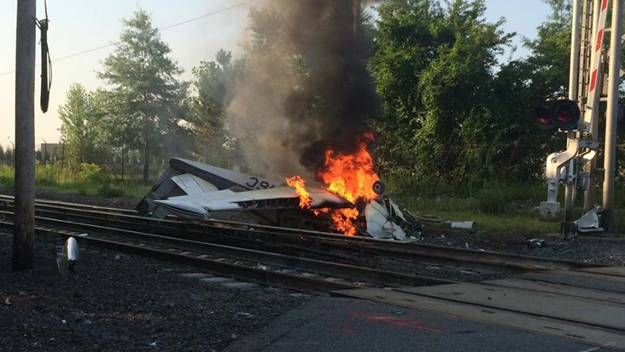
column 543, row 115
column 563, row 114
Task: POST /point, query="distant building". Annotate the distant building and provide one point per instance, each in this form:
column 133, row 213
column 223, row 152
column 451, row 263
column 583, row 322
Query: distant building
column 51, row 151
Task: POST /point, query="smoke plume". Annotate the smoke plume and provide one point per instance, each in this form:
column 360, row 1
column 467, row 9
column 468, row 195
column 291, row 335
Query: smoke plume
column 307, row 87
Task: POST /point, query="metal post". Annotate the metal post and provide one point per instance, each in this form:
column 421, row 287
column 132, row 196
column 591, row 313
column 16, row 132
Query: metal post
column 591, row 167
column 12, row 161
column 24, row 220
column 45, row 151
column 593, row 117
column 575, row 45
column 62, row 153
column 123, row 162
column 568, row 229
column 569, row 189
column 609, row 162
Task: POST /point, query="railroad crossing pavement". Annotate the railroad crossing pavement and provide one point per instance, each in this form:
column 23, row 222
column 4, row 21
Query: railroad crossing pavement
column 580, row 310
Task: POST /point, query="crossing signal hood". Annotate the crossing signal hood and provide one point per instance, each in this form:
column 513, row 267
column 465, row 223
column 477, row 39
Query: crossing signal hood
column 563, row 114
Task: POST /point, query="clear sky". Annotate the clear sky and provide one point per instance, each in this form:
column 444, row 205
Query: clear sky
column 80, row 25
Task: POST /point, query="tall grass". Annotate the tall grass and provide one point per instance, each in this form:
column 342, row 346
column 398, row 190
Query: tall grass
column 88, row 179
column 496, row 199
column 496, row 209
column 502, row 209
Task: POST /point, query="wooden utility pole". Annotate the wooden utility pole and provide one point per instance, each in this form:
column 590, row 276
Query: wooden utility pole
column 24, row 220
column 356, row 11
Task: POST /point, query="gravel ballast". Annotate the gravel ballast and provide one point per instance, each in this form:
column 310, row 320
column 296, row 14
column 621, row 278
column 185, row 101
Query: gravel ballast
column 118, row 302
column 607, row 250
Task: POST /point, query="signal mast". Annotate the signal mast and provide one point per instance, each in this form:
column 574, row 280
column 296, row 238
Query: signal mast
column 575, row 168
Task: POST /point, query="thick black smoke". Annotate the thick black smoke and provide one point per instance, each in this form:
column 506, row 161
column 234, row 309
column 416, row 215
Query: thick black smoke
column 308, row 89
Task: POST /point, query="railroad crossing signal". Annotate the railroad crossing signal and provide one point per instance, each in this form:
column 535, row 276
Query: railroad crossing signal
column 563, row 114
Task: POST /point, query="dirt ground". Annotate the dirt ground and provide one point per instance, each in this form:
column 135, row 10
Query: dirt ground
column 116, row 302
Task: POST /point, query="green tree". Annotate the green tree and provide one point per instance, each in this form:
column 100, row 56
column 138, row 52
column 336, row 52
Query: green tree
column 404, row 47
column 145, row 89
column 80, row 126
column 549, row 60
column 118, row 132
column 435, row 72
column 522, row 84
column 214, row 85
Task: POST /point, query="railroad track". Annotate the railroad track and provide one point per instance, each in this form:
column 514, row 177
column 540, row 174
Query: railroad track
column 266, row 268
column 265, row 247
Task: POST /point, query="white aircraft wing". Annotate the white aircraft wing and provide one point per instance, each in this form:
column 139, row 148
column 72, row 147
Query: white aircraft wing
column 200, row 205
column 192, row 184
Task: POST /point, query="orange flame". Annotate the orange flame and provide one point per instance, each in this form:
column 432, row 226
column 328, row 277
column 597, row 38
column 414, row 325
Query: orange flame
column 300, row 187
column 350, row 176
column 344, row 221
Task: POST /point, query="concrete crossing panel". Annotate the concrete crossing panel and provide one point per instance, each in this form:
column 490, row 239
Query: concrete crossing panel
column 573, row 309
column 579, row 279
column 559, row 289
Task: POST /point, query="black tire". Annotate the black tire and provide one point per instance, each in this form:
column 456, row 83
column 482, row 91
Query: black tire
column 379, row 187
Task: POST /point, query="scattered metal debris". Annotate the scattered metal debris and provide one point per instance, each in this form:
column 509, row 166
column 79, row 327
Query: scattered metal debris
column 261, row 267
column 536, row 243
column 465, row 225
column 589, row 222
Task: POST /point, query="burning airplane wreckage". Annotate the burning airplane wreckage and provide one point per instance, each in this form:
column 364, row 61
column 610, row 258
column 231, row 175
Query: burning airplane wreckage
column 286, row 122
column 193, row 190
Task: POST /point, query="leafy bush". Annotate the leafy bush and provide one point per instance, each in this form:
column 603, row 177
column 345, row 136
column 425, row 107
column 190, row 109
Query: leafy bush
column 6, row 175
column 53, row 176
column 92, row 173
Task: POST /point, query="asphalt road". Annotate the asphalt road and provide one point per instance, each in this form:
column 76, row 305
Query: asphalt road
column 339, row 324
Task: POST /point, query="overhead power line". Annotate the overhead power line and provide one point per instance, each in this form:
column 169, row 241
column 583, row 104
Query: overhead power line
column 160, row 29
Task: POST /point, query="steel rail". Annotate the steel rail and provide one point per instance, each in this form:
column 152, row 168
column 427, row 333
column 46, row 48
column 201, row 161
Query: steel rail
column 218, row 235
column 389, row 249
column 356, row 273
column 245, row 273
column 245, row 236
column 73, row 205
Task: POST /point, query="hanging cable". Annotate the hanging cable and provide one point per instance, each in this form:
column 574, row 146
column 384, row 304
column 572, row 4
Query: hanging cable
column 46, row 62
column 160, row 29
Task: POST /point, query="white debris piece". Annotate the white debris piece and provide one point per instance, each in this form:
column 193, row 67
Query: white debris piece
column 589, row 222
column 380, row 224
column 71, row 250
column 465, row 225
column 261, row 266
column 536, row 243
column 66, row 260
